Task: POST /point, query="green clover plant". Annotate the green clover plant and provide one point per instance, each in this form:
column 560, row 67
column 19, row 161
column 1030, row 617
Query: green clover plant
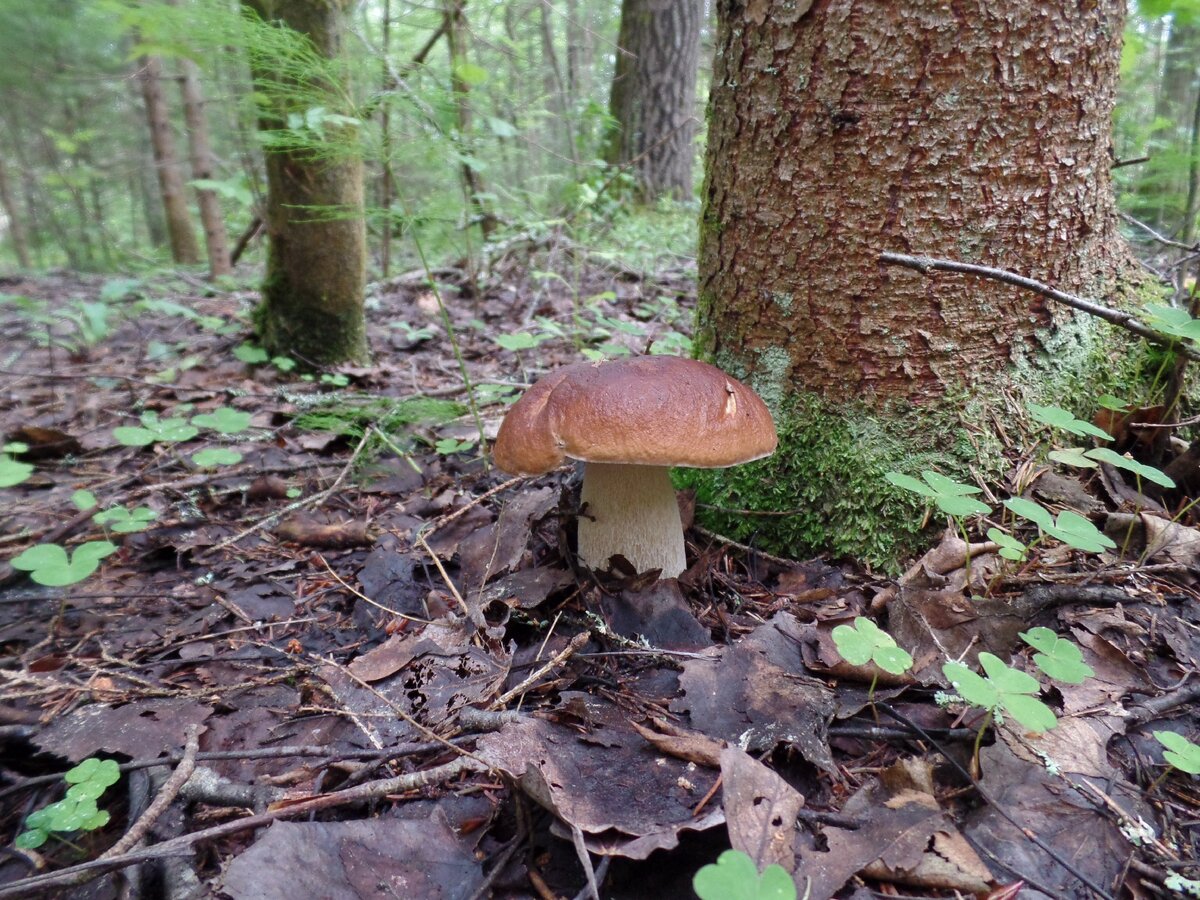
column 1180, row 753
column 948, row 495
column 225, row 420
column 1058, row 657
column 1002, row 690
column 211, row 457
column 864, row 642
column 48, row 564
column 12, row 471
column 734, row 877
column 250, row 354
column 1057, row 417
column 154, row 430
column 126, row 521
column 77, row 811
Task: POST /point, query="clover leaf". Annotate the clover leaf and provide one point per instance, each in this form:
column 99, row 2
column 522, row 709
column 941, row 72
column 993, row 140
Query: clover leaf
column 1004, row 689
column 1104, row 454
column 49, row 564
column 734, row 877
column 211, row 457
column 1057, row 417
column 250, row 354
column 153, row 430
column 224, row 419
column 1010, row 547
column 126, row 521
column 1172, row 320
column 948, row 495
column 13, row 472
column 1180, row 752
column 1059, row 658
column 865, row 642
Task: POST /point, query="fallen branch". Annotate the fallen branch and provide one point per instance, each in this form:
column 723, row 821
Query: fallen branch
column 182, row 845
column 1125, row 320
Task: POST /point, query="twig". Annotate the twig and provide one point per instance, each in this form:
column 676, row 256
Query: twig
column 363, row 597
column 1161, row 238
column 994, row 803
column 555, row 661
column 446, row 578
column 315, row 500
column 183, row 845
column 137, row 833
column 1115, row 316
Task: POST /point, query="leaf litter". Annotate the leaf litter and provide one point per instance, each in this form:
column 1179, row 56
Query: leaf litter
column 393, row 644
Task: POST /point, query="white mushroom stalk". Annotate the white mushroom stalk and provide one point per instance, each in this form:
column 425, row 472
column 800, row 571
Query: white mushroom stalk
column 631, row 510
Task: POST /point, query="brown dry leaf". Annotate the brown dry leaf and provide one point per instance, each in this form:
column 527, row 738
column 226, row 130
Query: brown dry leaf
column 307, row 532
column 690, row 746
column 139, row 729
column 44, row 443
column 381, row 857
column 760, row 810
column 626, row 798
column 497, row 549
column 756, row 693
column 1078, row 746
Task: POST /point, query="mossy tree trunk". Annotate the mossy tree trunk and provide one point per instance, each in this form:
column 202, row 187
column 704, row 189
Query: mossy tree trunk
column 978, row 131
column 654, row 95
column 316, row 263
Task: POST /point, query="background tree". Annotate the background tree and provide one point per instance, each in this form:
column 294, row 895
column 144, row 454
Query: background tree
column 166, row 163
column 980, row 133
column 654, row 95
column 316, row 264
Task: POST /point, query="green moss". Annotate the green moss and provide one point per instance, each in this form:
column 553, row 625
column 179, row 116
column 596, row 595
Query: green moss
column 824, row 488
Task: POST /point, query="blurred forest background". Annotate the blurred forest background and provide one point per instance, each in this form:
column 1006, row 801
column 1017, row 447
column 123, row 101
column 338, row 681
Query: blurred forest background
column 128, row 130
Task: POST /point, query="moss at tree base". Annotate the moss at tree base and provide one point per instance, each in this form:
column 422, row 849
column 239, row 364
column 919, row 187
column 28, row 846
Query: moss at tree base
column 824, row 491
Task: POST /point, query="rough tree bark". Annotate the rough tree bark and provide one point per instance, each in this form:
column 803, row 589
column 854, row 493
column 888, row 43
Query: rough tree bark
column 316, row 261
column 166, row 162
column 16, row 224
column 216, row 239
column 978, row 130
column 654, row 95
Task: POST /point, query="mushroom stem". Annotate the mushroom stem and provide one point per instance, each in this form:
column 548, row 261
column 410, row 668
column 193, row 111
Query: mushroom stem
column 631, row 510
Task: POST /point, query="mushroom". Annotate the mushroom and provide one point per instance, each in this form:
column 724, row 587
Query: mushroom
column 629, row 420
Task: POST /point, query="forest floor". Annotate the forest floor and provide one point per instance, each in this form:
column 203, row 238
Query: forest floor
column 387, row 678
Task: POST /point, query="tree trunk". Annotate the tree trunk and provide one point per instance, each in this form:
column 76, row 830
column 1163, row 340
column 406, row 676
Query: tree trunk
column 316, row 261
column 456, row 44
column 170, row 182
column 387, row 184
column 978, row 131
column 216, row 239
column 16, row 224
column 654, row 95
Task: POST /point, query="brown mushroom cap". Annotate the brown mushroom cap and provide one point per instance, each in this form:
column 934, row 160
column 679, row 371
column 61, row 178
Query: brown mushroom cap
column 643, row 410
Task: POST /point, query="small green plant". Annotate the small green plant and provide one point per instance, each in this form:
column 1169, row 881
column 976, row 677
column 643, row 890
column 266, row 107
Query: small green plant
column 864, row 641
column 1180, row 752
column 49, row 564
column 334, row 379
column 1010, row 547
column 250, row 354
column 1172, row 320
column 1141, row 470
column 1070, row 527
column 12, row 472
column 447, row 446
column 154, row 430
column 1003, row 690
column 948, row 495
column 1057, row 417
column 77, row 811
column 126, row 521
column 283, row 363
column 212, row 457
column 224, row 419
column 1058, row 657
column 734, row 877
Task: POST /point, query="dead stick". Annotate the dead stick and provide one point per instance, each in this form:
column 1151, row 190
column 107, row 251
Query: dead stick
column 555, row 661
column 1122, row 319
column 183, row 844
column 170, row 790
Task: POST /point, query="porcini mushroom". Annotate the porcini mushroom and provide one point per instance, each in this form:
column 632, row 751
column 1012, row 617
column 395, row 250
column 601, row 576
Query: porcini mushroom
column 629, row 420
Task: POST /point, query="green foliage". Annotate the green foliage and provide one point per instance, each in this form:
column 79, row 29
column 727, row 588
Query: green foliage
column 1010, row 547
column 78, row 810
column 126, row 521
column 448, row 446
column 1141, row 470
column 1180, row 752
column 1002, row 690
column 250, row 354
column 865, row 642
column 734, row 877
column 225, row 420
column 948, row 495
column 1058, row 657
column 212, row 457
column 49, row 564
column 13, row 472
column 154, row 430
column 1070, row 527
column 1056, row 417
